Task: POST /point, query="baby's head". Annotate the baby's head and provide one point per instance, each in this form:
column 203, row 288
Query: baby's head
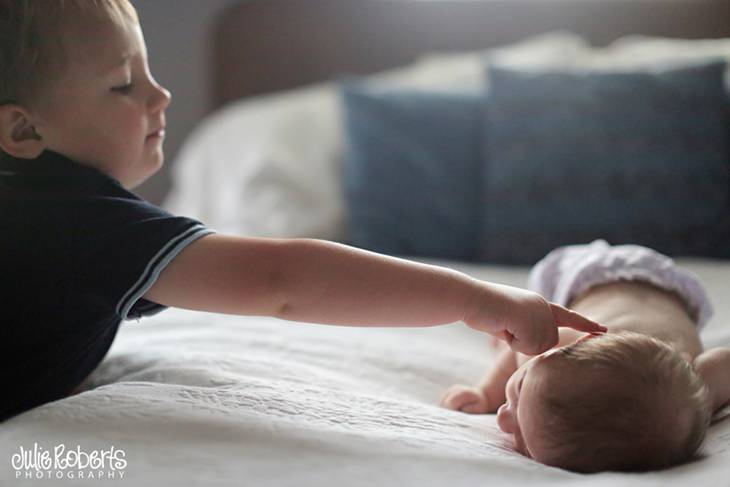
column 622, row 401
column 74, row 79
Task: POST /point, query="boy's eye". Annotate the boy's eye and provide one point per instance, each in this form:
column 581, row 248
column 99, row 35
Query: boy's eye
column 124, row 89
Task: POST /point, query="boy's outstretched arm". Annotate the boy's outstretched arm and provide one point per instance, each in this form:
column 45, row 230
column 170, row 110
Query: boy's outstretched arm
column 714, row 367
column 310, row 280
column 325, row 282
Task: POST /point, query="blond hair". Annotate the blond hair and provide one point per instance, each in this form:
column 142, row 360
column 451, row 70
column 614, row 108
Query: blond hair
column 31, row 55
column 646, row 408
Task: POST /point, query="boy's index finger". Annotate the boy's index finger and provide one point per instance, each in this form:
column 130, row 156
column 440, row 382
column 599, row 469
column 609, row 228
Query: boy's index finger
column 566, row 317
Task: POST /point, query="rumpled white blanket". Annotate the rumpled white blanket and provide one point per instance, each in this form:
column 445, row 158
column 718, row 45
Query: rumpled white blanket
column 203, row 399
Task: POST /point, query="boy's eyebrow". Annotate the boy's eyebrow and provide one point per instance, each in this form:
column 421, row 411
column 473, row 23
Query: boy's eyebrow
column 120, row 61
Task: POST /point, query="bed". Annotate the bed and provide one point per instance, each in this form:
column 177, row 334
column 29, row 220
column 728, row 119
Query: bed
column 194, row 398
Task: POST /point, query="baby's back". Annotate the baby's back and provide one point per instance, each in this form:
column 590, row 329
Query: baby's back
column 638, row 307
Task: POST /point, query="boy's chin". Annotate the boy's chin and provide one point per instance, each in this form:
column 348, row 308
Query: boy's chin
column 152, row 167
column 139, row 181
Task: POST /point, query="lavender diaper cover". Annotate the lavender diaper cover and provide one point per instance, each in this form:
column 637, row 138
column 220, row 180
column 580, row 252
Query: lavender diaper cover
column 568, row 271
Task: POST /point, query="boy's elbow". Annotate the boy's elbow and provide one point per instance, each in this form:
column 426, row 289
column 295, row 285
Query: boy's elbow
column 261, row 286
column 226, row 274
column 285, row 280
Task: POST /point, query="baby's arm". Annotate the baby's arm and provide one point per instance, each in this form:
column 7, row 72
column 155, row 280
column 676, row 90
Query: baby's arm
column 488, row 395
column 714, row 367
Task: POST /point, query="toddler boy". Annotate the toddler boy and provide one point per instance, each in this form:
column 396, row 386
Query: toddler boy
column 82, row 121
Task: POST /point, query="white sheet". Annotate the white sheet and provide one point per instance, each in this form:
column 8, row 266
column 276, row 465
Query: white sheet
column 203, row 399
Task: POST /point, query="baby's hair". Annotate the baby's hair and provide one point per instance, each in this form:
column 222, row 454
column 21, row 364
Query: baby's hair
column 32, row 51
column 648, row 408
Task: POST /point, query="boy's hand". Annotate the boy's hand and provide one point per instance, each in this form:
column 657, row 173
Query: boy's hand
column 524, row 319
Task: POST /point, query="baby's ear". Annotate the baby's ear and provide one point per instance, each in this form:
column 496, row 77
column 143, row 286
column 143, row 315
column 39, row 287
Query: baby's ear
column 18, row 136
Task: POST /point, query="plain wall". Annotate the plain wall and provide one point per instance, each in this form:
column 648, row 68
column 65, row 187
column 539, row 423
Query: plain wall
column 178, row 40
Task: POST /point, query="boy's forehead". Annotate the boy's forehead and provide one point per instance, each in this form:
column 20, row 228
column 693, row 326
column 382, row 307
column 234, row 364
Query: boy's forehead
column 101, row 45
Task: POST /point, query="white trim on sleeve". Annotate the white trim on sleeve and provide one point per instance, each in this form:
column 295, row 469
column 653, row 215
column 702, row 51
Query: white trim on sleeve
column 157, row 264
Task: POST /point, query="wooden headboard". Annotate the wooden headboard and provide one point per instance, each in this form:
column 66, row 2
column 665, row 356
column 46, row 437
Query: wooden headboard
column 260, row 46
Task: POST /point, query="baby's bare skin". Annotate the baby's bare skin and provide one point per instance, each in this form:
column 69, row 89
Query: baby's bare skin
column 620, row 306
column 641, row 308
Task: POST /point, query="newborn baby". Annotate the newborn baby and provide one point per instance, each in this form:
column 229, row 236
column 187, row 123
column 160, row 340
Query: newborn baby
column 639, row 397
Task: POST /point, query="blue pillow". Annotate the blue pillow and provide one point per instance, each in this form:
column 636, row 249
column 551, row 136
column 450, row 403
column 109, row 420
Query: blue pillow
column 411, row 175
column 630, row 157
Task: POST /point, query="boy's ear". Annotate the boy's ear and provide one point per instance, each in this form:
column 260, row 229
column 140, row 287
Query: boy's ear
column 18, row 136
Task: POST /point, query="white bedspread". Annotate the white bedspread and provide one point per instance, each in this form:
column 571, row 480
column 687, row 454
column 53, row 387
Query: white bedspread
column 202, row 399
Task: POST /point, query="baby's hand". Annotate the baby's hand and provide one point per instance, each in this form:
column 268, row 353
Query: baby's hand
column 466, row 399
column 713, row 365
column 524, row 319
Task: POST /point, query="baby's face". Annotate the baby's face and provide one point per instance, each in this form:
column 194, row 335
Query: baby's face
column 515, row 412
column 106, row 111
column 517, row 415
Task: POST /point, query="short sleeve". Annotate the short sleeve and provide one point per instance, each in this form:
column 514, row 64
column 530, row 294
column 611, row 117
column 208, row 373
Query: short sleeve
column 121, row 244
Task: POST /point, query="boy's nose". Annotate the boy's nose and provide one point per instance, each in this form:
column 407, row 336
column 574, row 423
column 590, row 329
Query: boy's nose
column 162, row 98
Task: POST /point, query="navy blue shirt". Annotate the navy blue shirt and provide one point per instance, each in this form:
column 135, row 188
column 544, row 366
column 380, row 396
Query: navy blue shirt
column 77, row 253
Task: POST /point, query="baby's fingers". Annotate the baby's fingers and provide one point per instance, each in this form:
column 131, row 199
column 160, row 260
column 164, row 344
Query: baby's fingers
column 566, row 317
column 466, row 399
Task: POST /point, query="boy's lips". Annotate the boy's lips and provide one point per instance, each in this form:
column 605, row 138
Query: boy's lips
column 160, row 133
